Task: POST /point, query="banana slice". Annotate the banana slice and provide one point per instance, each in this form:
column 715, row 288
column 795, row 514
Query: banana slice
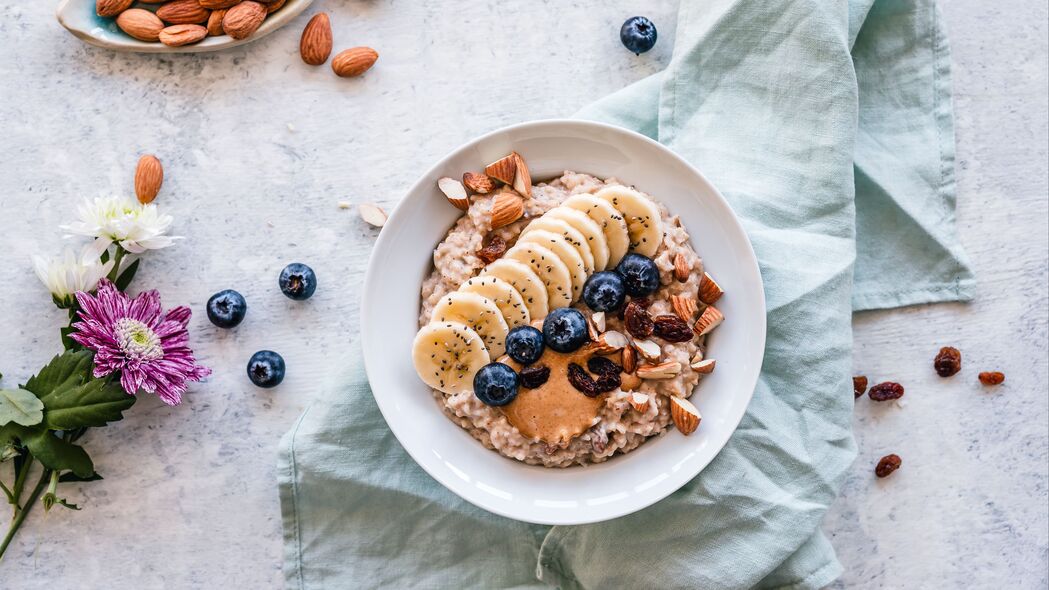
column 528, row 284
column 574, row 237
column 477, row 312
column 549, row 268
column 642, row 217
column 595, row 238
column 447, row 355
column 611, row 221
column 566, row 252
column 503, row 294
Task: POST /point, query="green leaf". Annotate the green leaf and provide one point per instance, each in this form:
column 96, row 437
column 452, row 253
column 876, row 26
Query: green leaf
column 21, row 407
column 57, row 454
column 72, row 398
column 125, row 277
column 70, row 477
column 95, row 403
column 65, row 371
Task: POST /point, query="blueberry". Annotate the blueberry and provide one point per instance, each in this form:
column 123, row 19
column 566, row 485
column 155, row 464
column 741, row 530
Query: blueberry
column 524, row 344
column 266, row 368
column 640, row 274
column 565, row 329
column 604, row 291
column 638, row 34
column 297, row 281
column 226, row 308
column 495, row 384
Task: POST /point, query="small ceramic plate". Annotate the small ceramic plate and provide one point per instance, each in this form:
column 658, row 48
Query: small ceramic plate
column 78, row 16
column 403, row 256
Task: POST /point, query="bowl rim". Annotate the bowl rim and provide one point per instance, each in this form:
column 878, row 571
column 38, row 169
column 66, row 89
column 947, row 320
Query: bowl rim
column 286, row 14
column 426, row 178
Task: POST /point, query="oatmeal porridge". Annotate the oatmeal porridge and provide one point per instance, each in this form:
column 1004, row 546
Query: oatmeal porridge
column 564, row 322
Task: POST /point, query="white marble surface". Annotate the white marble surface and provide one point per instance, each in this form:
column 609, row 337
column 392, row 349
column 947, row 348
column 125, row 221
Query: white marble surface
column 189, row 500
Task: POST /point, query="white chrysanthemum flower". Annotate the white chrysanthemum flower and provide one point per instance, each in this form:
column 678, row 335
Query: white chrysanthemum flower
column 69, row 273
column 136, row 227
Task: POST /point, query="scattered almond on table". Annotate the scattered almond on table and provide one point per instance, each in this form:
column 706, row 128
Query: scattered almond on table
column 149, row 176
column 316, row 42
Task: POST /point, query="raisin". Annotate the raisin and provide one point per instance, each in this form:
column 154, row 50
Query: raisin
column 534, row 376
column 644, row 302
column 581, row 380
column 638, row 322
column 887, row 465
column 672, row 328
column 884, row 392
column 992, row 377
column 600, row 365
column 492, row 250
column 948, row 361
column 859, row 386
column 607, row 382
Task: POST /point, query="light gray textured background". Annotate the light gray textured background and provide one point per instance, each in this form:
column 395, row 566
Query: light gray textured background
column 189, row 498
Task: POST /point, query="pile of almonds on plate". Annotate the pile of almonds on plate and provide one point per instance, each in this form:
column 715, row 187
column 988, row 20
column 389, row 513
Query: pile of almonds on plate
column 182, row 22
column 316, row 44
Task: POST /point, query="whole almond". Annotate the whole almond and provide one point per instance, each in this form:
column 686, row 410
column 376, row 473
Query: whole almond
column 179, row 35
column 215, row 23
column 682, row 267
column 183, row 12
column 315, row 44
column 506, row 209
column 149, row 175
column 274, row 6
column 354, row 61
column 244, row 19
column 110, row 8
column 629, row 360
column 478, row 183
column 140, row 24
column 218, row 4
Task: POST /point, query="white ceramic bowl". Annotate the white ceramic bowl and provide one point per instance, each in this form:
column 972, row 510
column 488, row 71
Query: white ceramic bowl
column 79, row 18
column 576, row 495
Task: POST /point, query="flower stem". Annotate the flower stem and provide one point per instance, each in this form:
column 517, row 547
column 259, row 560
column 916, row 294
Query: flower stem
column 20, row 482
column 117, row 257
column 20, row 515
column 50, row 498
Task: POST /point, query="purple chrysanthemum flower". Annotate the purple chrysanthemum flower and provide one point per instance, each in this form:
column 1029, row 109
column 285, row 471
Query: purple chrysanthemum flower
column 134, row 336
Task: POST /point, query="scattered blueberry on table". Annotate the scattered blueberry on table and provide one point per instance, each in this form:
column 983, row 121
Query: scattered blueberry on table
column 495, row 384
column 565, row 329
column 226, row 308
column 266, row 368
column 640, row 274
column 297, row 281
column 638, row 34
column 524, row 344
column 604, row 291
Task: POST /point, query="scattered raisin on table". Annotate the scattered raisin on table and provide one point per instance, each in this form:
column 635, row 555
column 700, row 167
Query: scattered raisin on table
column 948, row 361
column 884, row 392
column 492, row 250
column 600, row 365
column 534, row 376
column 582, row 380
column 887, row 465
column 638, row 322
column 859, row 386
column 672, row 329
column 992, row 377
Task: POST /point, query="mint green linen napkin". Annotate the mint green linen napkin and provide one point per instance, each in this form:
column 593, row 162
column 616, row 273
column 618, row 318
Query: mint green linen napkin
column 827, row 125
